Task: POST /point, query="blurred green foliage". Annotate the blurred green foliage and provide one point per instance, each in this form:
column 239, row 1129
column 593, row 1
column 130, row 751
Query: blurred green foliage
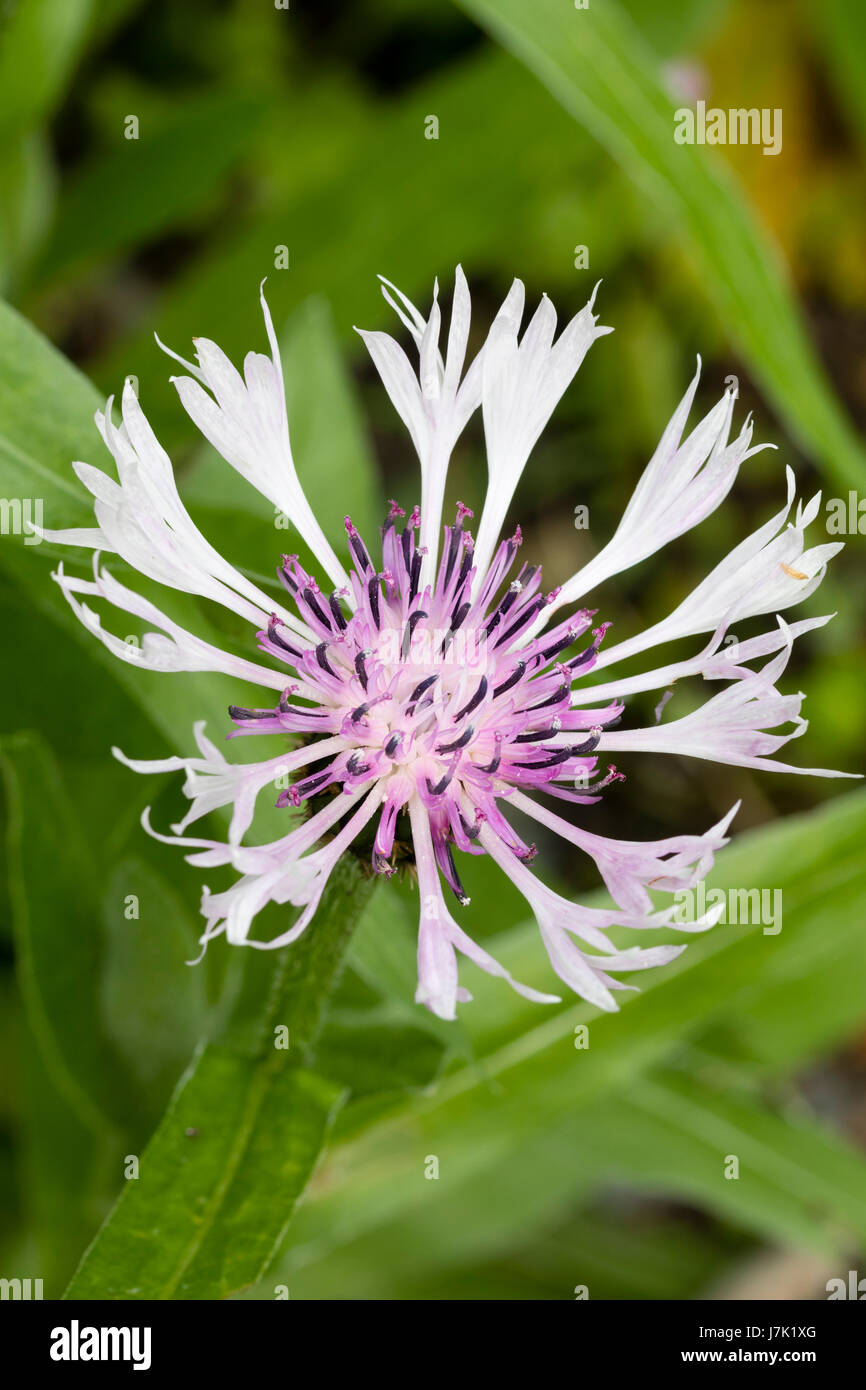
column 257, row 129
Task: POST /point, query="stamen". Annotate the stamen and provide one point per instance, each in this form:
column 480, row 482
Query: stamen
column 516, row 675
column 538, row 734
column 559, row 757
column 461, row 742
column 360, row 667
column 558, row 695
column 420, row 689
column 303, row 789
column 578, row 750
column 415, row 574
column 334, row 604
column 284, row 574
column 442, row 784
column 310, row 599
column 559, row 646
column 474, row 702
column 408, row 632
column 527, row 616
column 357, row 546
column 456, row 620
column 374, row 595
column 445, row 860
column 322, row 658
column 238, row 712
column 497, row 757
column 278, row 641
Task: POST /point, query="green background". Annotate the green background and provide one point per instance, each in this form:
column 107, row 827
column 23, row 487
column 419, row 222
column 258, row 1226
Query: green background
column 558, row 1166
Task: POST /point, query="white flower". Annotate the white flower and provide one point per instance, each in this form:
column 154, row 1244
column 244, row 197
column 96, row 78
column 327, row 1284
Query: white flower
column 373, row 679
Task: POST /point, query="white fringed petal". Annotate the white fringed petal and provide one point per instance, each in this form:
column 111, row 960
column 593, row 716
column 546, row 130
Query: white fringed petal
column 172, row 648
column 683, row 483
column 213, row 782
column 630, row 867
column 715, row 662
column 523, row 382
column 440, row 937
column 435, row 405
column 730, row 726
column 288, row 879
column 558, row 920
column 246, row 421
column 142, row 518
column 768, row 571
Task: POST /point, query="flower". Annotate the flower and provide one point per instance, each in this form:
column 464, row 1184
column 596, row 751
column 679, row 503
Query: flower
column 433, row 683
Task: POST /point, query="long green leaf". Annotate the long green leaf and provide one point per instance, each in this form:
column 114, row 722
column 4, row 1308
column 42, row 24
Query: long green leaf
column 39, row 43
column 482, row 1114
column 670, row 1135
column 152, row 1003
column 149, row 186
column 840, row 27
column 53, row 885
column 595, row 63
column 218, row 1182
column 373, row 171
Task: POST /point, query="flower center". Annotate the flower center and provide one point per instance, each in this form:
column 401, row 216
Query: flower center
column 444, row 693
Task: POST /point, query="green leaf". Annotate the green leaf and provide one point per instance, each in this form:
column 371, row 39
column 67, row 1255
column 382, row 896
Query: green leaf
column 662, row 1254
column 840, row 27
column 670, row 1135
column 219, row 1180
column 483, row 1116
column 369, row 1057
column 376, row 174
column 148, row 186
column 46, row 422
column 62, row 1170
column 53, row 887
column 153, row 1001
column 26, row 199
column 797, row 1183
column 596, row 64
column 39, row 45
